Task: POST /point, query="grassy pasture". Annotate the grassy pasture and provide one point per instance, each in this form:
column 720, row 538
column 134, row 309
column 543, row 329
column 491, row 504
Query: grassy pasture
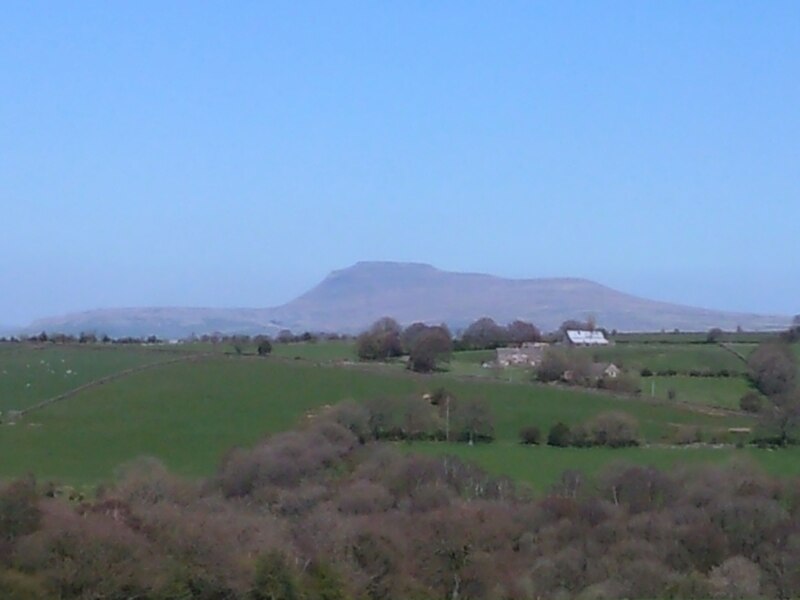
column 742, row 348
column 189, row 414
column 723, row 392
column 661, row 357
column 473, row 357
column 317, row 351
column 693, row 337
column 468, row 363
column 30, row 374
column 321, row 351
column 542, row 466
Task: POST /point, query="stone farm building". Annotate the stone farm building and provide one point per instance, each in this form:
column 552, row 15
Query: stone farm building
column 581, row 337
column 527, row 355
column 597, row 371
column 605, row 370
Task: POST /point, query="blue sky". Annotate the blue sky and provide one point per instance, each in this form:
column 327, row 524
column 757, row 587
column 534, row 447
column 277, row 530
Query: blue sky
column 232, row 153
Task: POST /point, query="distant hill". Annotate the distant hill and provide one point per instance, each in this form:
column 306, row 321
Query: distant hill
column 165, row 322
column 7, row 330
column 352, row 298
column 348, row 300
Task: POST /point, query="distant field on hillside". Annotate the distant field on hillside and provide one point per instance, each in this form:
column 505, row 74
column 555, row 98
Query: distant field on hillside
column 323, row 350
column 469, row 363
column 542, row 466
column 31, row 374
column 661, row 357
column 318, row 351
column 189, row 414
column 697, row 337
column 724, row 392
column 742, row 348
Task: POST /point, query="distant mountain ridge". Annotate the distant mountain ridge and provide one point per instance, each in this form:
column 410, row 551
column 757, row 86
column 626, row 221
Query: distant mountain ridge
column 348, row 300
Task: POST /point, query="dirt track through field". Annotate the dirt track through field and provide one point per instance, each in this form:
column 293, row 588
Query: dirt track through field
column 107, row 379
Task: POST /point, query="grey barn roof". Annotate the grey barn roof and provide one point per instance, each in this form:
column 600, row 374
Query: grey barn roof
column 586, row 338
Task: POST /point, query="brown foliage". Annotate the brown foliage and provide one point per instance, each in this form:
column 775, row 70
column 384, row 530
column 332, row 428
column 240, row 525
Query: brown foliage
column 314, row 513
column 773, row 368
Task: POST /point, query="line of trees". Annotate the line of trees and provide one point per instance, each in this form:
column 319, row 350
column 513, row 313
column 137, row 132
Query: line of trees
column 82, row 338
column 773, row 371
column 319, row 513
column 435, row 417
column 427, row 346
column 610, row 429
column 486, row 334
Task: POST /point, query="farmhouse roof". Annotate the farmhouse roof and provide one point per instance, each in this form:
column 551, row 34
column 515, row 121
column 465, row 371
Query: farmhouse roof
column 586, row 338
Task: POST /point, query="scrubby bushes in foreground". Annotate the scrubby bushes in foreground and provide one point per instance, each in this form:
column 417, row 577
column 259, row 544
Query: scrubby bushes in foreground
column 323, row 513
column 610, row 429
column 437, row 417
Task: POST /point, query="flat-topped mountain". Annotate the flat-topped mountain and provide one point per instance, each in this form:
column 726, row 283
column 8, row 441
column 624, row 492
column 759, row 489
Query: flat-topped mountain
column 348, row 300
column 352, row 298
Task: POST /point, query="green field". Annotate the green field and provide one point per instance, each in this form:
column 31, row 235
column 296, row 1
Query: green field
column 542, row 466
column 742, row 348
column 31, row 374
column 317, row 351
column 469, row 363
column 695, row 337
column 723, row 392
column 188, row 414
column 661, row 357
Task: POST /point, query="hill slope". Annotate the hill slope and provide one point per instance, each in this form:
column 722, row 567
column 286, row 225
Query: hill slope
column 350, row 299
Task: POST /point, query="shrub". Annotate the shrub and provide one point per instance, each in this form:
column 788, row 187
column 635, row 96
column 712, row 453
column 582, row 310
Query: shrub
column 364, row 498
column 530, row 435
column 614, row 429
column 430, row 346
column 264, row 347
column 554, row 363
column 737, row 577
column 751, row 402
column 471, row 422
column 15, row 585
column 687, row 434
column 19, row 510
column 381, row 341
column 624, row 384
column 275, row 578
column 773, row 368
column 559, row 435
column 484, row 334
column 323, row 583
column 646, row 372
column 581, row 437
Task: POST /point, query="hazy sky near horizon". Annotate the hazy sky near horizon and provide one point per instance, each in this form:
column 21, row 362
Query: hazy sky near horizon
column 233, row 153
